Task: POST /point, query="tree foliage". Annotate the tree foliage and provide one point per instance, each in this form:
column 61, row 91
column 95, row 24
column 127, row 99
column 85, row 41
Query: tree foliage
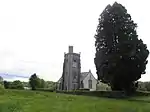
column 50, row 84
column 34, row 81
column 42, row 83
column 120, row 57
column 26, row 84
column 6, row 84
column 144, row 86
column 17, row 85
column 13, row 85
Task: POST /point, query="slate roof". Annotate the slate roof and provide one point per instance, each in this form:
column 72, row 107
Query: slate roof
column 83, row 75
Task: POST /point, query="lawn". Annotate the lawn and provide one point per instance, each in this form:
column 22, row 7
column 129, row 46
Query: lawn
column 29, row 101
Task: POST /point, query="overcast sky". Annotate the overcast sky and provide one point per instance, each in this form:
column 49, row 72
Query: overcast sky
column 34, row 34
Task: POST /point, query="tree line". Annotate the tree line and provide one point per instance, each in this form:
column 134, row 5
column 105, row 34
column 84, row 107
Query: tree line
column 34, row 83
column 143, row 86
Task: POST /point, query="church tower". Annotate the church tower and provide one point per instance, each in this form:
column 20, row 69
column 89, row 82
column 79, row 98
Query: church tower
column 71, row 70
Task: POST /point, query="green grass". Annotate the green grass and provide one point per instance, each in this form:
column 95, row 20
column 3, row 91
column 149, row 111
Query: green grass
column 29, row 101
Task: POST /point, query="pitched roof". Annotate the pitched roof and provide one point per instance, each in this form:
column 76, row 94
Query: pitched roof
column 83, row 75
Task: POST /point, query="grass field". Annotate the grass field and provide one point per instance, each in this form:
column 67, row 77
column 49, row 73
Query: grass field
column 29, row 101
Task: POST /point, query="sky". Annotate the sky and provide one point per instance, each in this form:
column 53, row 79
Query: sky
column 34, row 34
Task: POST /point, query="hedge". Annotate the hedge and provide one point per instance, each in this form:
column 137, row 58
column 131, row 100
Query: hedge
column 44, row 89
column 142, row 93
column 109, row 94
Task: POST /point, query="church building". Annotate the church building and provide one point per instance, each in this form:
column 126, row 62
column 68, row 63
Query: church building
column 72, row 78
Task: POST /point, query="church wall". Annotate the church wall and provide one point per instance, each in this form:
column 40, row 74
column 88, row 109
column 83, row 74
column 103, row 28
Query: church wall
column 75, row 72
column 86, row 82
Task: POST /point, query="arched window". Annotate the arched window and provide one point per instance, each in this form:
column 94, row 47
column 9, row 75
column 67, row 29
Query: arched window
column 74, row 86
column 82, row 84
column 90, row 83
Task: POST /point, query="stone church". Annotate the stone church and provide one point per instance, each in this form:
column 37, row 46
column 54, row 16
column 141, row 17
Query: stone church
column 72, row 78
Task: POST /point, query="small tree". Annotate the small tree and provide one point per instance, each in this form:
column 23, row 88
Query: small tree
column 120, row 57
column 34, row 82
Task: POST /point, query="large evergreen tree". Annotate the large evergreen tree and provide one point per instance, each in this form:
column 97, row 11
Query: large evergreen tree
column 120, row 57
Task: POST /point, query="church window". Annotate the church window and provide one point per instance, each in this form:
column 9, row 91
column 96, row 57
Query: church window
column 74, row 64
column 66, row 87
column 90, row 84
column 82, row 84
column 74, row 86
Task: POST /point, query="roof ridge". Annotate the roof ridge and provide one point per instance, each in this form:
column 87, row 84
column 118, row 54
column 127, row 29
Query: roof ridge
column 84, row 72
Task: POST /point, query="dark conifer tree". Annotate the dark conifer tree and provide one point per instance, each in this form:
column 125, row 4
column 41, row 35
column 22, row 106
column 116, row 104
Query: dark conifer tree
column 120, row 57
